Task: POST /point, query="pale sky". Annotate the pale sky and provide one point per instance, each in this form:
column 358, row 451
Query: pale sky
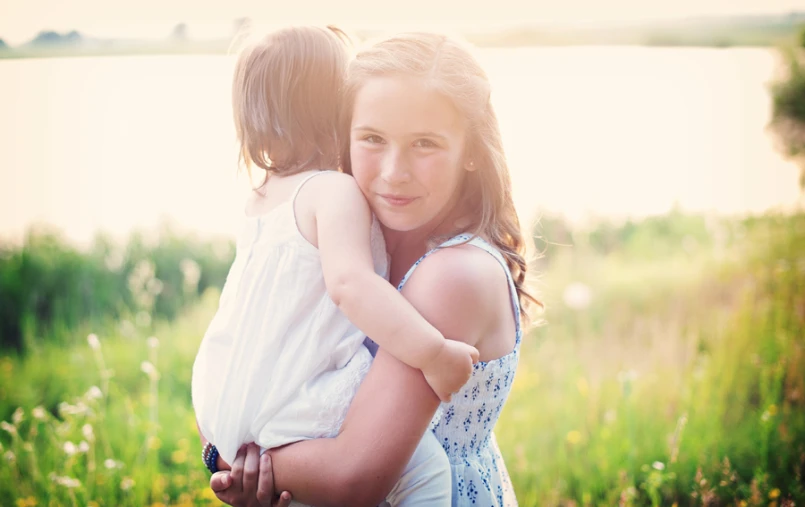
column 20, row 20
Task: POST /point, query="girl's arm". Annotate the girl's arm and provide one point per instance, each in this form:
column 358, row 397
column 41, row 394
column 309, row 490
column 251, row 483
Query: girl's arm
column 394, row 404
column 343, row 236
column 362, row 464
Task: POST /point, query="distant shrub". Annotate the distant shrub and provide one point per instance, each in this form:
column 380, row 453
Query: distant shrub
column 47, row 283
column 788, row 104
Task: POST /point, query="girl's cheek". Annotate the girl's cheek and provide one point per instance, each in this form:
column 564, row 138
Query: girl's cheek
column 363, row 164
column 436, row 166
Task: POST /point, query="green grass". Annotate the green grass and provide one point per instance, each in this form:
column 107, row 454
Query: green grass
column 682, row 370
column 680, row 383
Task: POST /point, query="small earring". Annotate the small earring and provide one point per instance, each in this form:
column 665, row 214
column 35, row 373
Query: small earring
column 471, row 166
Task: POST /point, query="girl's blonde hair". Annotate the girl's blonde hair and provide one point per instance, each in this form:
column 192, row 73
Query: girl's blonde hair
column 286, row 97
column 451, row 70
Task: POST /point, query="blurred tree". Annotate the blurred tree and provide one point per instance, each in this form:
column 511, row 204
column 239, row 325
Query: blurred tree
column 3, row 44
column 72, row 37
column 788, row 97
column 51, row 38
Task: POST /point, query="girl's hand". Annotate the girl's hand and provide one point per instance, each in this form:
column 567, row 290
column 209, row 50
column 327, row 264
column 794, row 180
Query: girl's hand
column 451, row 368
column 250, row 483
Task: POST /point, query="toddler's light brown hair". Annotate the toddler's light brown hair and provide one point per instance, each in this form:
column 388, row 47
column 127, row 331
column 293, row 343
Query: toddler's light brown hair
column 286, row 99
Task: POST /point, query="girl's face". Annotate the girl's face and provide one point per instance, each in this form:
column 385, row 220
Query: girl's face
column 406, row 149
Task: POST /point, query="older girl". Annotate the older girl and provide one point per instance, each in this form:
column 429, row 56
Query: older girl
column 425, row 149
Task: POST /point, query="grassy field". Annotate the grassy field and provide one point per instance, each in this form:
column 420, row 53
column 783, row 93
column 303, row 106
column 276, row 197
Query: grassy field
column 667, row 372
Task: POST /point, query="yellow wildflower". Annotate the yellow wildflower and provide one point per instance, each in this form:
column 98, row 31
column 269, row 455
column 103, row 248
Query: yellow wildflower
column 582, row 386
column 26, row 502
column 208, row 494
column 179, row 480
column 154, row 443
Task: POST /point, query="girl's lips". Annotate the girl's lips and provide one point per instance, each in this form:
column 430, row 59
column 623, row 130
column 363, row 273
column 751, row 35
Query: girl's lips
column 397, row 200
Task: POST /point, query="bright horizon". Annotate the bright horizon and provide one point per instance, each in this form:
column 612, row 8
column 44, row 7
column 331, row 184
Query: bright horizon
column 21, row 21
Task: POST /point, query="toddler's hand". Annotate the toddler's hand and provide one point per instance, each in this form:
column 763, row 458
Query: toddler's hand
column 451, row 368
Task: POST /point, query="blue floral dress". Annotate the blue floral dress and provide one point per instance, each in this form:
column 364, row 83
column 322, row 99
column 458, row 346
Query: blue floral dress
column 464, row 426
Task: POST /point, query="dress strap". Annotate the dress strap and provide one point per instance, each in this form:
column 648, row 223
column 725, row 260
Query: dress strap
column 302, row 183
column 292, row 201
column 478, row 242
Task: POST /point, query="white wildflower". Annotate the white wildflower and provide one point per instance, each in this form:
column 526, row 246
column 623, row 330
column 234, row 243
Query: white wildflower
column 70, row 448
column 110, row 464
column 67, row 482
column 10, row 428
column 191, row 274
column 18, row 416
column 153, row 342
column 154, row 286
column 127, row 483
column 83, row 447
column 86, row 430
column 79, row 408
column 94, row 393
column 9, row 456
column 658, row 465
column 93, row 341
column 39, row 413
column 577, row 296
column 139, row 276
column 149, row 369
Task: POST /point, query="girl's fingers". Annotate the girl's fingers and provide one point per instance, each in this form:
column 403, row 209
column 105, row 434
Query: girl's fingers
column 237, row 468
column 220, row 481
column 285, row 499
column 265, row 484
column 251, row 468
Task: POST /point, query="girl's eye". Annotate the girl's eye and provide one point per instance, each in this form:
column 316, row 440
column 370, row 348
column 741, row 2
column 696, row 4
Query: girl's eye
column 425, row 143
column 373, row 139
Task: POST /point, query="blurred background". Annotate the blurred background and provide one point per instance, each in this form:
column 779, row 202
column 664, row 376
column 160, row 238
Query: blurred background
column 656, row 152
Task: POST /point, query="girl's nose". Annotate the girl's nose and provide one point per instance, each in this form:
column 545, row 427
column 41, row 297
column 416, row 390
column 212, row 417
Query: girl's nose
column 395, row 168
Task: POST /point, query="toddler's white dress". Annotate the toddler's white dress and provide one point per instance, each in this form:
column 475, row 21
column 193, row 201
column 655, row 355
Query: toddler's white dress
column 279, row 362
